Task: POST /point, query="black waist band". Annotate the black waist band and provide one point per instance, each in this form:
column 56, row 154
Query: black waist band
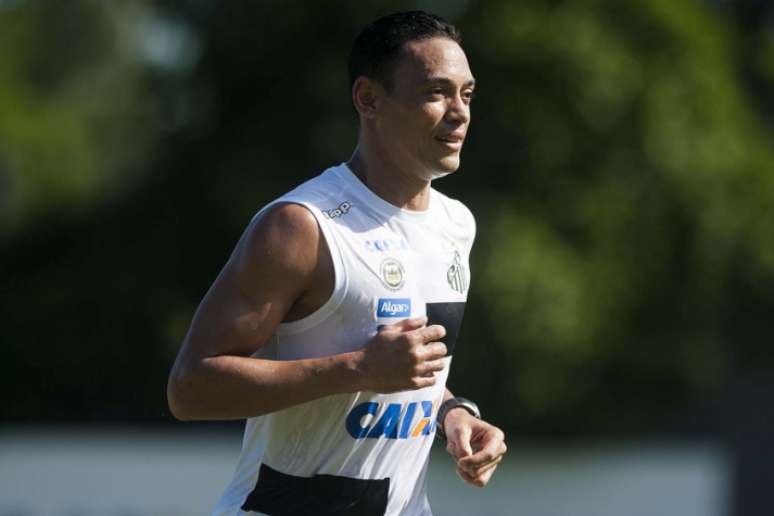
column 279, row 494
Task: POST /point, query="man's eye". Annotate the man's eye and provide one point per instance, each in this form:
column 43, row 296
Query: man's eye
column 468, row 95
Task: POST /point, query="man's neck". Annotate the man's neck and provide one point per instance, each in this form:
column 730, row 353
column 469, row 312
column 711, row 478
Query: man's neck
column 396, row 186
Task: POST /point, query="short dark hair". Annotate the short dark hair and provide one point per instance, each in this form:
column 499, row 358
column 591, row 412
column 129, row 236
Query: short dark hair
column 376, row 47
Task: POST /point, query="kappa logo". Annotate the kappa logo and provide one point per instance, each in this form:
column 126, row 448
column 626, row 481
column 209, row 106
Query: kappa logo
column 396, row 422
column 400, row 307
column 392, row 273
column 456, row 275
column 340, row 210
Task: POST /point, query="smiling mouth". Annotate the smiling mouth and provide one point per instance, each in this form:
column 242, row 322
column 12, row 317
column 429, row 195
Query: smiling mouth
column 451, row 141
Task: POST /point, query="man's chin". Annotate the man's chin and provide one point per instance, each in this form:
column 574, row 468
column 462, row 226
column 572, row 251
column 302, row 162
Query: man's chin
column 445, row 167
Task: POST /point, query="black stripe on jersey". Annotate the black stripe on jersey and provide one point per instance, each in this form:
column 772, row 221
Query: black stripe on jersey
column 448, row 315
column 280, row 494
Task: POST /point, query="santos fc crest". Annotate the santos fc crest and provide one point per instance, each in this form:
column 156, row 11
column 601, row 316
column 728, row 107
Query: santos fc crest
column 457, row 275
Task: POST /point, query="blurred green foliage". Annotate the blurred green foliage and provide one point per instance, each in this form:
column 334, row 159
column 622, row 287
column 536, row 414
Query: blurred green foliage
column 70, row 98
column 619, row 164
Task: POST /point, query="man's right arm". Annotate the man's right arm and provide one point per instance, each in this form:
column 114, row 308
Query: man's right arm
column 279, row 261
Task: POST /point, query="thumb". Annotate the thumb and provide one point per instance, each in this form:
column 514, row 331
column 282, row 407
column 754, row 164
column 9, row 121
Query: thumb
column 459, row 443
column 465, row 444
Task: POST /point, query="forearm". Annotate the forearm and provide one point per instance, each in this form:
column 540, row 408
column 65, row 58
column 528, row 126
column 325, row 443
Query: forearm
column 234, row 387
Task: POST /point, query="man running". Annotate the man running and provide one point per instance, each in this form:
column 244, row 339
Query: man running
column 332, row 325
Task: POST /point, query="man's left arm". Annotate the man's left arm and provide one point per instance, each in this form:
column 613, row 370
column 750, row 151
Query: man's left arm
column 476, row 446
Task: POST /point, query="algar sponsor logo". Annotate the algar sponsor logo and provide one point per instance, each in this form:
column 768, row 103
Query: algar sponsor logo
column 394, row 307
column 396, row 421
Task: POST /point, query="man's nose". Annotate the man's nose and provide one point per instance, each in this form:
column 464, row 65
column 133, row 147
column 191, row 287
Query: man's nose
column 458, row 110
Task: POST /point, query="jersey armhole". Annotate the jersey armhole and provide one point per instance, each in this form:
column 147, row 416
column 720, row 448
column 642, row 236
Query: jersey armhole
column 339, row 274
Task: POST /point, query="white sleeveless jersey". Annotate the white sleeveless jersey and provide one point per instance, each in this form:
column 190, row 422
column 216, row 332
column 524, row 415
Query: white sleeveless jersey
column 361, row 453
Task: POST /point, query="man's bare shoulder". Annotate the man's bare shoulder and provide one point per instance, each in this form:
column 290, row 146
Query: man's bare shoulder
column 286, row 233
column 283, row 253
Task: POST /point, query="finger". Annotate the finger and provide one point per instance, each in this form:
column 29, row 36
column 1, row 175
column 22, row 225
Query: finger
column 420, row 382
column 404, row 325
column 431, row 333
column 478, row 460
column 478, row 481
column 493, row 449
column 480, row 470
column 464, row 476
column 432, row 351
column 432, row 367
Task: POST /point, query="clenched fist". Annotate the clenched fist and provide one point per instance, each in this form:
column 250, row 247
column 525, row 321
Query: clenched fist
column 403, row 356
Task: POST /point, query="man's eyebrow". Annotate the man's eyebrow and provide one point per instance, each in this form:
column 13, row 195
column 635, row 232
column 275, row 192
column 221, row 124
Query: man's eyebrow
column 446, row 81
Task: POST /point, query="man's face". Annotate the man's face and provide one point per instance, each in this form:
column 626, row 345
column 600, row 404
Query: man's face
column 423, row 121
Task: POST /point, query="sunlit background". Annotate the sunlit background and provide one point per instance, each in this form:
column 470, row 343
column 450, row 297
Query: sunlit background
column 620, row 165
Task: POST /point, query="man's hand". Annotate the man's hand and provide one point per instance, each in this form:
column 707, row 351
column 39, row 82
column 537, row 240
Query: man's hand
column 477, row 446
column 402, row 356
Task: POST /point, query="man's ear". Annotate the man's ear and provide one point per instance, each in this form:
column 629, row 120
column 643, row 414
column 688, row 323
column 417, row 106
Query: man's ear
column 367, row 95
